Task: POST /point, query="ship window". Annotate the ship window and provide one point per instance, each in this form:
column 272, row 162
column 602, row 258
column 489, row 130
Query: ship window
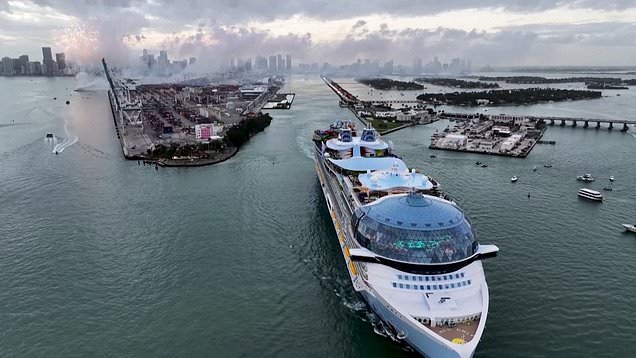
column 399, row 277
column 408, row 287
column 447, row 287
column 417, row 246
column 456, row 275
column 452, row 285
column 462, row 275
column 406, row 278
column 420, row 277
column 401, row 286
column 469, row 282
column 415, row 287
column 426, row 278
column 394, row 284
column 439, row 286
column 428, row 287
column 422, row 287
column 414, row 278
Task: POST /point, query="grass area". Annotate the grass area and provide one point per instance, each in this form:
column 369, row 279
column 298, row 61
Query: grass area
column 382, row 125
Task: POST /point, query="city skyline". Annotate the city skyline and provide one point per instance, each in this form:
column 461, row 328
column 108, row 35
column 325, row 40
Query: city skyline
column 498, row 33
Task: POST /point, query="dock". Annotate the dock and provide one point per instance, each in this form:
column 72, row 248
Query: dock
column 184, row 125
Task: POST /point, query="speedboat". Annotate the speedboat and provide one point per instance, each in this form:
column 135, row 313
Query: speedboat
column 608, row 188
column 585, row 177
column 534, row 169
column 629, row 227
column 547, row 165
column 49, row 135
column 590, row 194
column 612, row 178
column 477, row 163
column 514, row 178
column 484, row 165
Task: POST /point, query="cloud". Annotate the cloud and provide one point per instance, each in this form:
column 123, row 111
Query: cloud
column 493, row 31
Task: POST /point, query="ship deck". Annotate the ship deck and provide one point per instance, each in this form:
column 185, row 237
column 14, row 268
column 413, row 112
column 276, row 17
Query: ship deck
column 464, row 331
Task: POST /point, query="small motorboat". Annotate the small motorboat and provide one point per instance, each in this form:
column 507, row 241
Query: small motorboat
column 477, row 163
column 611, row 178
column 608, row 188
column 514, row 179
column 484, row 165
column 629, row 227
column 585, row 177
column 433, row 156
column 547, row 165
column 534, row 169
column 49, row 135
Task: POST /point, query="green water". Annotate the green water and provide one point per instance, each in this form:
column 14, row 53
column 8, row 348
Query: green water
column 102, row 257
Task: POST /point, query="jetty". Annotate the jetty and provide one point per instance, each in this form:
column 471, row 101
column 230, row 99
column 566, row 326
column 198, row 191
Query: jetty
column 380, row 113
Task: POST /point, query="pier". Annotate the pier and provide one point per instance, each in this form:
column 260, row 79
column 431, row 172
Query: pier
column 361, row 109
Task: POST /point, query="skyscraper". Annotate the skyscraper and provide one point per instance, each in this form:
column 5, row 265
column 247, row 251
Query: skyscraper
column 272, row 64
column 47, row 61
column 61, row 61
column 288, row 62
column 281, row 65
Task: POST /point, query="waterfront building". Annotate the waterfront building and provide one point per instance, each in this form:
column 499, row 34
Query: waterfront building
column 288, row 62
column 7, row 66
column 60, row 58
column 47, row 61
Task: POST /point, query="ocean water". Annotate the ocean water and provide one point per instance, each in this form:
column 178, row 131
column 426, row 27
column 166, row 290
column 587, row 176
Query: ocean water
column 104, row 257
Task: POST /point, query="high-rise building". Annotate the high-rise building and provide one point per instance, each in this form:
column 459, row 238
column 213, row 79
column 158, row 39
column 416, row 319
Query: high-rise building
column 47, row 61
column 7, row 66
column 273, row 66
column 22, row 65
column 288, row 62
column 281, row 65
column 163, row 58
column 61, row 61
column 260, row 63
column 35, row 68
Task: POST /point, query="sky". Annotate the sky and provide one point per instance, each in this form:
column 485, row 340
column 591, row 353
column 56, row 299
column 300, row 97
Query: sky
column 488, row 32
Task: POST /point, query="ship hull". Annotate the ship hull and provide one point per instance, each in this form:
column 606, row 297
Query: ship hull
column 426, row 343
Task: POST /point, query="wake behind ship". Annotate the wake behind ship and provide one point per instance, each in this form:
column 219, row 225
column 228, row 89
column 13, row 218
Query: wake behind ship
column 410, row 251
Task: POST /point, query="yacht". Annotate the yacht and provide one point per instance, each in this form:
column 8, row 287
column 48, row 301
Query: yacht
column 590, row 194
column 514, row 179
column 409, row 250
column 585, row 177
column 630, row 227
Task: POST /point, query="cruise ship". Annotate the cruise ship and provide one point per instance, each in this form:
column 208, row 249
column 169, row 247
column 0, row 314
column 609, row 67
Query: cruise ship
column 410, row 251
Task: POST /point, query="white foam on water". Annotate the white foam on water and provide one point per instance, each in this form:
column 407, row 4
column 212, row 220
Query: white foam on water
column 69, row 141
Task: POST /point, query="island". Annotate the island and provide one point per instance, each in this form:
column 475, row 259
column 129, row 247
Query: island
column 507, row 135
column 605, row 86
column 547, row 80
column 452, row 82
column 389, row 84
column 508, row 97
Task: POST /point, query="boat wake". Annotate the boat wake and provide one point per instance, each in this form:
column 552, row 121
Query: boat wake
column 69, row 141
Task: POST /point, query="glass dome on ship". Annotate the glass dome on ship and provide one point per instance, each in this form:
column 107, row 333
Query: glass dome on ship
column 415, row 228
